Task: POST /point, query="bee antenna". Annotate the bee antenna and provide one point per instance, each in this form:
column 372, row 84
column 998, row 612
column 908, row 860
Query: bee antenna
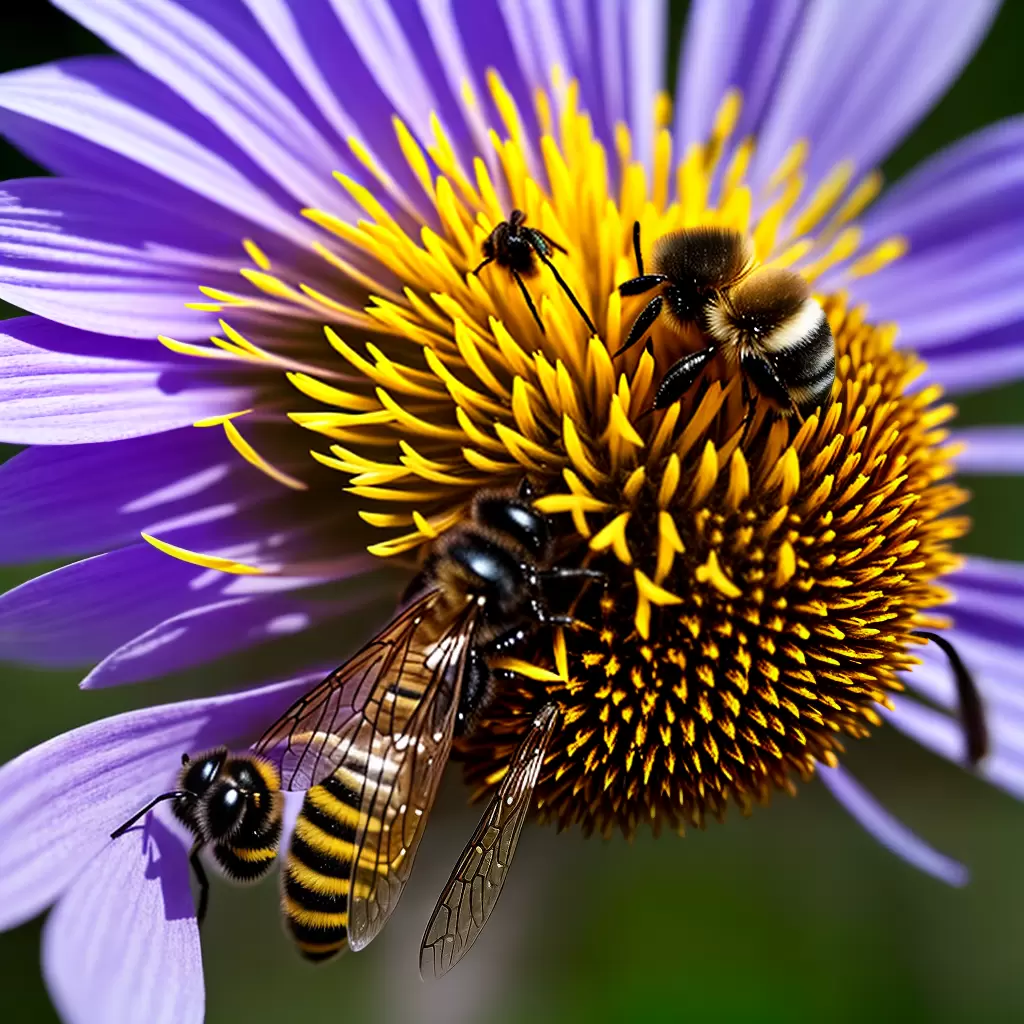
column 178, row 794
column 971, row 712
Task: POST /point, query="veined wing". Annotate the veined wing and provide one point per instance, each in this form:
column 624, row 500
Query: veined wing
column 400, row 771
column 378, row 689
column 475, row 884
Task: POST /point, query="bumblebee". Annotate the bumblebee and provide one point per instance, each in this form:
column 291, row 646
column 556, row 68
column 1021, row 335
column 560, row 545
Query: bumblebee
column 231, row 803
column 764, row 320
column 517, row 248
column 371, row 742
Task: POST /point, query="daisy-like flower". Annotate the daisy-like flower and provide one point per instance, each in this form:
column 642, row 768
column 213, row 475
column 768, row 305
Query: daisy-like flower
column 293, row 198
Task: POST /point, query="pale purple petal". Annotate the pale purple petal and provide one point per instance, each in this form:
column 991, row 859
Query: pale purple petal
column 888, row 830
column 858, row 76
column 60, row 801
column 222, row 82
column 990, row 449
column 978, row 361
column 122, row 944
column 83, row 499
column 213, row 631
column 94, row 258
column 61, row 386
column 93, row 118
column 77, row 614
column 944, row 736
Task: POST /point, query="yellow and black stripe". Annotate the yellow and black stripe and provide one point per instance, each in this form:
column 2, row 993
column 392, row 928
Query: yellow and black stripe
column 318, row 869
column 253, row 847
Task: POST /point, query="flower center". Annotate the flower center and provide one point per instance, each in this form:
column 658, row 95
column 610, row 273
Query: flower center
column 764, row 572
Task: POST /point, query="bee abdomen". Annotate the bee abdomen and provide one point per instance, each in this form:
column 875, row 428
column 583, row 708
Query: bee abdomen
column 807, row 364
column 316, row 878
column 252, row 851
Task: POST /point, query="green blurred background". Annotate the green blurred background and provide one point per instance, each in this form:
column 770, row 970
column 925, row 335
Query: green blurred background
column 793, row 915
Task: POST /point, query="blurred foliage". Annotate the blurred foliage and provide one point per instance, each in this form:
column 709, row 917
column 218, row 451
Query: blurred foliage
column 792, row 915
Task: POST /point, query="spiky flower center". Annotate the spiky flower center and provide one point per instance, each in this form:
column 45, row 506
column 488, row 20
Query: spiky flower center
column 763, row 577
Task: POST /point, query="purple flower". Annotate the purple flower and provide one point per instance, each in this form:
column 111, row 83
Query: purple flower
column 205, row 157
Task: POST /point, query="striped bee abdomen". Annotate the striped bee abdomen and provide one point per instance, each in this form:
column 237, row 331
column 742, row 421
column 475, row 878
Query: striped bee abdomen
column 315, row 882
column 252, row 850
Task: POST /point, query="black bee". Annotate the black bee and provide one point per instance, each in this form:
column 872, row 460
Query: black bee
column 764, row 320
column 231, row 802
column 370, row 743
column 516, row 247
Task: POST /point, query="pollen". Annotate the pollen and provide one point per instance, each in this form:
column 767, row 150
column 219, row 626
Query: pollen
column 763, row 573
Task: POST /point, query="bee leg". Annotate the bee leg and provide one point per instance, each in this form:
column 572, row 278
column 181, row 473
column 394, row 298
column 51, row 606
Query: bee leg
column 479, row 267
column 529, row 299
column 204, row 883
column 748, row 411
column 641, row 284
column 681, row 376
column 763, row 376
column 972, row 714
column 636, row 248
column 647, row 316
column 568, row 291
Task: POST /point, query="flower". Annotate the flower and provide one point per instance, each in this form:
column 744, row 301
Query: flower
column 765, row 579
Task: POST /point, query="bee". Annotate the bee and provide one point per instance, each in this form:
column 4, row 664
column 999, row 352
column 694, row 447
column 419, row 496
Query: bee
column 516, row 248
column 232, row 803
column 765, row 320
column 370, row 743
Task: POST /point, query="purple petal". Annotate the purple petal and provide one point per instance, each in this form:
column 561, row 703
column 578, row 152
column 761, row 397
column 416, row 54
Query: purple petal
column 977, row 362
column 944, row 736
column 102, row 261
column 122, row 944
column 99, row 119
column 60, row 801
column 991, row 575
column 221, row 81
column 990, row 450
column 61, row 387
column 83, row 499
column 857, row 77
column 208, row 632
column 77, row 614
column 971, row 186
column 888, row 830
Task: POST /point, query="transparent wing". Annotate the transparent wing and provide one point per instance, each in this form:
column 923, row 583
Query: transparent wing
column 475, row 884
column 396, row 772
column 380, row 686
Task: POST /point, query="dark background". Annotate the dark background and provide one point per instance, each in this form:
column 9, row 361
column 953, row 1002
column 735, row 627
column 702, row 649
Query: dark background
column 793, row 915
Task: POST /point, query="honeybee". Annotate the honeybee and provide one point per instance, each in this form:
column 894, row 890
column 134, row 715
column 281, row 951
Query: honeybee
column 232, row 803
column 763, row 320
column 371, row 742
column 516, row 248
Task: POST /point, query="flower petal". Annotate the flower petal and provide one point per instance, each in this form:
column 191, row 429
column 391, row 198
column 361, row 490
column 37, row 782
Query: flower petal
column 990, row 450
column 859, row 76
column 888, row 830
column 83, row 499
column 221, row 81
column 943, row 735
column 852, row 78
column 99, row 119
column 122, row 944
column 65, row 386
column 60, row 801
column 208, row 632
column 94, row 258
